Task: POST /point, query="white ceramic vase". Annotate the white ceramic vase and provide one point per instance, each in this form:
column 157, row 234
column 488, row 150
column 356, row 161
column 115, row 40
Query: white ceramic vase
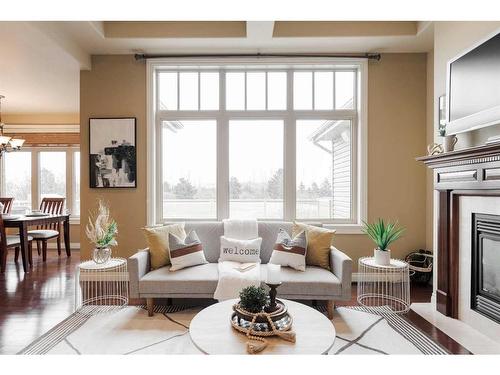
column 382, row 257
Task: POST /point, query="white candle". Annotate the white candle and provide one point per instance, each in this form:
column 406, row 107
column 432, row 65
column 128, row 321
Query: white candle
column 273, row 274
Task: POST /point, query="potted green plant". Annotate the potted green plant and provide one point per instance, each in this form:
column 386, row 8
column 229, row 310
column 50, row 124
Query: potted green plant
column 383, row 235
column 253, row 298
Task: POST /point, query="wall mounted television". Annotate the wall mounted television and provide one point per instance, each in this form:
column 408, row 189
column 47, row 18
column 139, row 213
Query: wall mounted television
column 473, row 87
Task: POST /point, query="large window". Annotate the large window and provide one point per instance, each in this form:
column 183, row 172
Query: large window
column 34, row 173
column 274, row 141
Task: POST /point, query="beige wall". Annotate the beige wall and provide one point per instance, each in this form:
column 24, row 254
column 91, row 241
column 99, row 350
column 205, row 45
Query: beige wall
column 396, row 135
column 116, row 86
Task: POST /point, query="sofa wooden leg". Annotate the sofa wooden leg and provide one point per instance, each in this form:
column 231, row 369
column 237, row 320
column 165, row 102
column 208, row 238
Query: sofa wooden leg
column 150, row 302
column 330, row 306
column 169, row 301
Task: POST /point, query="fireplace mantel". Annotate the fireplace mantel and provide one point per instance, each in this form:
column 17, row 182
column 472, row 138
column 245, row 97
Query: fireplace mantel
column 469, row 172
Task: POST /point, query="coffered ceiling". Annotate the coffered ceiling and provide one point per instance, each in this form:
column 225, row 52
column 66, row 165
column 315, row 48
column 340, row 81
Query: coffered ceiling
column 41, row 61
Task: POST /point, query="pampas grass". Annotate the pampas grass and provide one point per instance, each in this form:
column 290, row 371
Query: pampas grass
column 101, row 229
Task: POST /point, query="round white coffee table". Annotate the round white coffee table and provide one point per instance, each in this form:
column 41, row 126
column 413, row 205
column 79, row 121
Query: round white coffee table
column 211, row 331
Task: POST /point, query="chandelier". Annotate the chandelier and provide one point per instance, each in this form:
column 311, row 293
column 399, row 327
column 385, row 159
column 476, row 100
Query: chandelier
column 7, row 144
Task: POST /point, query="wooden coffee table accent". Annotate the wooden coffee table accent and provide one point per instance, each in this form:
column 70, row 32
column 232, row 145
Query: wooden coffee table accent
column 211, row 331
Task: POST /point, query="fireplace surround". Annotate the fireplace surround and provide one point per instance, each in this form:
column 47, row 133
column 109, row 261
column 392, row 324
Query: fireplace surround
column 473, row 172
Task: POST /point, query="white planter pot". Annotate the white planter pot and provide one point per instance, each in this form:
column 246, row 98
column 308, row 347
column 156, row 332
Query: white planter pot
column 382, row 257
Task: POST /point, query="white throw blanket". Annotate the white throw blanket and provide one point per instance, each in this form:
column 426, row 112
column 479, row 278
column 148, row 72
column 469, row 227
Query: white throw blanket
column 241, row 229
column 231, row 280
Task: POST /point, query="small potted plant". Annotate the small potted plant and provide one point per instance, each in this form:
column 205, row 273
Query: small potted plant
column 101, row 230
column 383, row 235
column 253, row 299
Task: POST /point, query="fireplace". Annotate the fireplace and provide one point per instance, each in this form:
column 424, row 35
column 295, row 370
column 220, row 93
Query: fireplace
column 485, row 272
column 461, row 176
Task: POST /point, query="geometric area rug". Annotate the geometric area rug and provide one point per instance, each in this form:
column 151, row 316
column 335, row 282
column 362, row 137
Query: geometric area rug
column 130, row 331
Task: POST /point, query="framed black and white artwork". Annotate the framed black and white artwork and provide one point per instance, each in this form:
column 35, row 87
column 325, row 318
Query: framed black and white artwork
column 113, row 159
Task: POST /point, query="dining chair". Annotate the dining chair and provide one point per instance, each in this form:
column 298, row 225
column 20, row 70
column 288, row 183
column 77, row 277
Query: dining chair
column 12, row 241
column 7, row 205
column 44, row 233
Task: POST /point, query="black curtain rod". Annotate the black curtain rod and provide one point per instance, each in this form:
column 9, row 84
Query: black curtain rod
column 370, row 56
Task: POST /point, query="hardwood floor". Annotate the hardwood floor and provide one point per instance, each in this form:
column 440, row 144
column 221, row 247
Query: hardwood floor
column 33, row 303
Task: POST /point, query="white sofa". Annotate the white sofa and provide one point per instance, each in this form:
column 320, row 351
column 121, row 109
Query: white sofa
column 200, row 281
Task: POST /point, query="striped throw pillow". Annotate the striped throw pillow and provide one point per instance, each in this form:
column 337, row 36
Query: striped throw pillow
column 290, row 252
column 185, row 253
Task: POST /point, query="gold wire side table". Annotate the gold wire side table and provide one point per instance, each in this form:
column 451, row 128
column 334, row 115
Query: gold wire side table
column 101, row 287
column 384, row 288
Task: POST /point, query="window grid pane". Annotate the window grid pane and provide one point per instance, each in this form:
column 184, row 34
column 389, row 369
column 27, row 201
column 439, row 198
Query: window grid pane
column 302, row 90
column 323, row 192
column 256, row 91
column 189, row 169
column 256, row 177
column 17, row 177
column 188, row 91
column 209, row 91
column 276, row 90
column 52, row 182
column 167, row 91
column 323, row 90
column 235, row 91
column 344, row 90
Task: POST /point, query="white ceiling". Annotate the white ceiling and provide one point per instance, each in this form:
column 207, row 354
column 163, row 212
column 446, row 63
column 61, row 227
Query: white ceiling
column 40, row 64
column 36, row 75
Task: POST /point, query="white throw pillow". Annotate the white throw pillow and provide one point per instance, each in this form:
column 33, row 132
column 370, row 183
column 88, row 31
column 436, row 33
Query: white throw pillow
column 290, row 252
column 185, row 253
column 243, row 251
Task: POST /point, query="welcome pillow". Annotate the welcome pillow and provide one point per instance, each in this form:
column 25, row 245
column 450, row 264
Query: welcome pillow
column 290, row 252
column 187, row 252
column 243, row 251
column 157, row 241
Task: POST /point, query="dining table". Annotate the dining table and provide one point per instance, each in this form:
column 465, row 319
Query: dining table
column 24, row 222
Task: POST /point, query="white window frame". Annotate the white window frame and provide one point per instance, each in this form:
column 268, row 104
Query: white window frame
column 358, row 117
column 35, row 177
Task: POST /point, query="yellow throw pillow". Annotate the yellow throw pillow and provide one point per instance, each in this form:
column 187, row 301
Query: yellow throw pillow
column 157, row 240
column 319, row 241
